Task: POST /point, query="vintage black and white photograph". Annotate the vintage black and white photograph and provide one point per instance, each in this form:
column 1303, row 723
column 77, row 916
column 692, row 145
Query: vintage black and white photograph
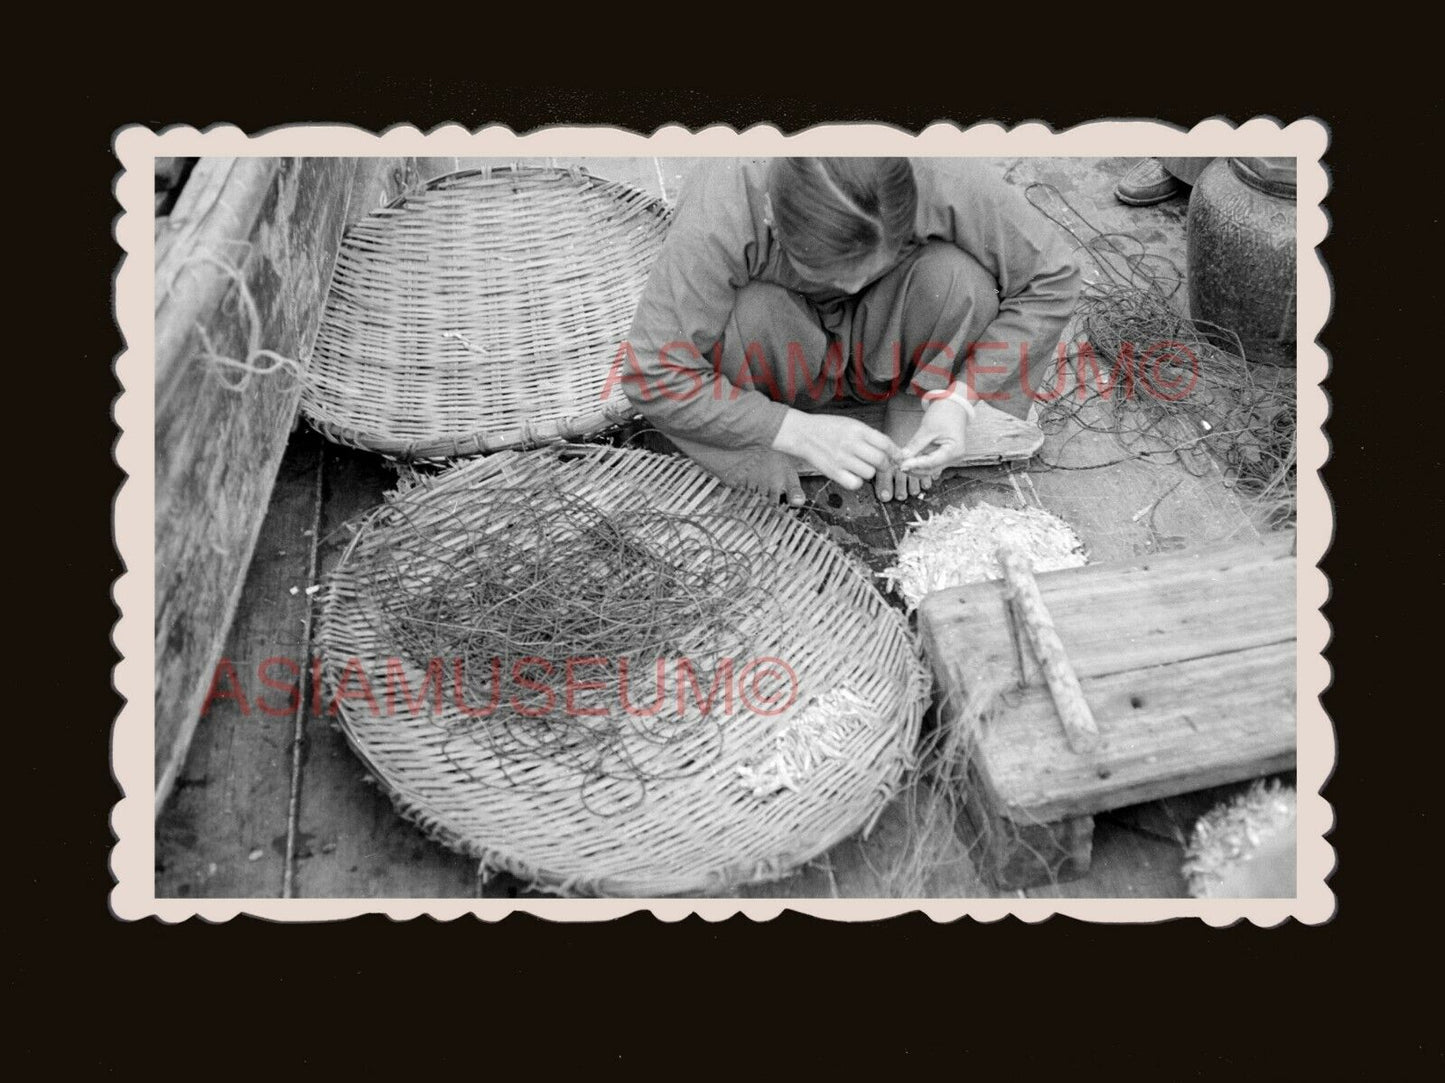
column 727, row 526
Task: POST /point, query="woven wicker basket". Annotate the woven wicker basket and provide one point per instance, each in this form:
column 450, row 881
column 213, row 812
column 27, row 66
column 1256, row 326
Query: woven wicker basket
column 483, row 312
column 704, row 833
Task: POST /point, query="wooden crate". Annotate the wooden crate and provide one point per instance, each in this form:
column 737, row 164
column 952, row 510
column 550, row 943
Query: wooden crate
column 1187, row 661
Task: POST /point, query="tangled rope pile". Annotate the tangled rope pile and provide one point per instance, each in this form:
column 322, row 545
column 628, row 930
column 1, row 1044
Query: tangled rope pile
column 552, row 580
column 1189, row 395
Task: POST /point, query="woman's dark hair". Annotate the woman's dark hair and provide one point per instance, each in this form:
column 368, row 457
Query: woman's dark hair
column 831, row 210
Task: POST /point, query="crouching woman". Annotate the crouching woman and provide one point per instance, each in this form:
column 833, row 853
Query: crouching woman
column 790, row 291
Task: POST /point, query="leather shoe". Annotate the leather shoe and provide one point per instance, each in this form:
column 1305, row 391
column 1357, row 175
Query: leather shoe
column 1146, row 184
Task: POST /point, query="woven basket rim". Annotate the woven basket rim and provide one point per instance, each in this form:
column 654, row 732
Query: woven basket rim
column 617, row 411
column 519, row 432
column 442, row 180
column 884, row 775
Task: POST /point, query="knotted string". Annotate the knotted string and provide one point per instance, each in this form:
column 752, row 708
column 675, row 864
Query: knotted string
column 250, row 366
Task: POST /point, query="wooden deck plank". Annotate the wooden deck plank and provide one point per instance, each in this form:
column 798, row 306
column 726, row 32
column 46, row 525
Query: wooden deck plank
column 1133, row 508
column 231, row 799
column 217, row 448
column 351, row 842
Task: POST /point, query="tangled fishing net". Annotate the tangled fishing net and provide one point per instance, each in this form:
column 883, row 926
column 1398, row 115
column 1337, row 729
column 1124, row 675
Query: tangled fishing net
column 1182, row 389
column 606, row 673
column 553, row 583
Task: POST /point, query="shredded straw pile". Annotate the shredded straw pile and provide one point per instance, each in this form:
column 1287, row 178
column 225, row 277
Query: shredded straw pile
column 960, row 546
column 818, row 732
column 1246, row 848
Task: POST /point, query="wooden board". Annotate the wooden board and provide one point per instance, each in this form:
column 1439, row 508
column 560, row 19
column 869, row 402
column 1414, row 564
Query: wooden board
column 1130, row 614
column 1199, row 723
column 355, row 845
column 322, row 830
column 232, row 799
column 1187, row 660
column 217, row 450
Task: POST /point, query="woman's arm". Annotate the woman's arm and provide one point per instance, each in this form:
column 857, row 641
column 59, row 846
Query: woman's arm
column 968, row 204
column 669, row 374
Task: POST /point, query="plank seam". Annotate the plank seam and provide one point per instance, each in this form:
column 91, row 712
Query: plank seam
column 298, row 721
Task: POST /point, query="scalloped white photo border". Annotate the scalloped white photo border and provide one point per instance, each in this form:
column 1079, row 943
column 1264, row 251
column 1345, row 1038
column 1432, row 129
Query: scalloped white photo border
column 133, row 737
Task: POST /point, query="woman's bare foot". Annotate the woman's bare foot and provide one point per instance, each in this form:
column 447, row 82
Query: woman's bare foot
column 901, row 419
column 753, row 469
column 770, row 473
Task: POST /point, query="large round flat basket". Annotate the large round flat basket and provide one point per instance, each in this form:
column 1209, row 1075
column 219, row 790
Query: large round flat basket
column 483, row 312
column 758, row 729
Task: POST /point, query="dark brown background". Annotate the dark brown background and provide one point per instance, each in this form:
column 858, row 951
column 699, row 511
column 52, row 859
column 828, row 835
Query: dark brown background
column 1174, row 999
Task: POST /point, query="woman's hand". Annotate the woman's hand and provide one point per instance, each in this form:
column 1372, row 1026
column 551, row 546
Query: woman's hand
column 847, row 451
column 944, row 428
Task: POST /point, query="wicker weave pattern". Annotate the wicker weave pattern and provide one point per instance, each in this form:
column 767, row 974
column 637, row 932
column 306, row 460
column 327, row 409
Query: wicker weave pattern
column 700, row 834
column 483, row 312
